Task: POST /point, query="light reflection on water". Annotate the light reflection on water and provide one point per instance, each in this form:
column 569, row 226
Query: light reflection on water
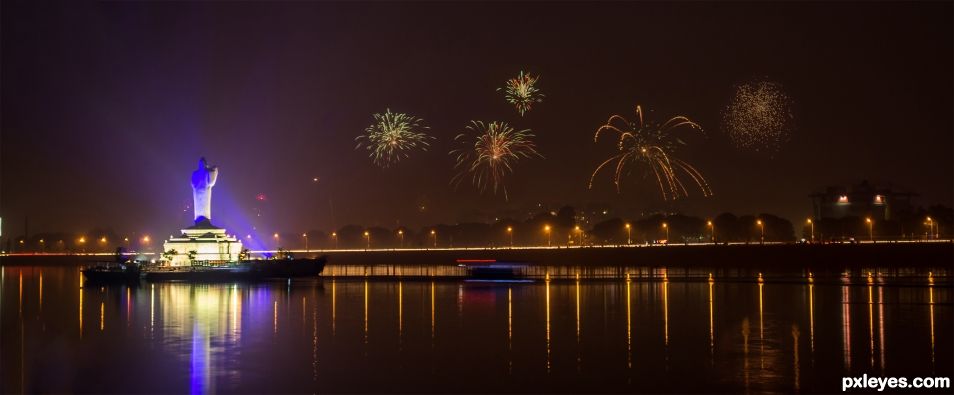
column 651, row 329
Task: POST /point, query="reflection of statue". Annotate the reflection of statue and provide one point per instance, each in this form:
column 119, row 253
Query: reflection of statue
column 203, row 179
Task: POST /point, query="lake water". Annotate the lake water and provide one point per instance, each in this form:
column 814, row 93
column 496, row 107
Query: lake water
column 602, row 333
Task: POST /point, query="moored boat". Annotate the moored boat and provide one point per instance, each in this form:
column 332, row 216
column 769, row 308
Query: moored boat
column 491, row 270
column 127, row 272
column 240, row 271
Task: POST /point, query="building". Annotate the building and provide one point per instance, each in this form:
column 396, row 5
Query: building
column 210, row 243
column 863, row 200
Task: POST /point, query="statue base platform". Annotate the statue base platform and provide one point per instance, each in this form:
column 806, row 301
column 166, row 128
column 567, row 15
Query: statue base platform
column 211, row 244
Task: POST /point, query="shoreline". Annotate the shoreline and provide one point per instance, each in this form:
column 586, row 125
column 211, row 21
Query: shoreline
column 769, row 256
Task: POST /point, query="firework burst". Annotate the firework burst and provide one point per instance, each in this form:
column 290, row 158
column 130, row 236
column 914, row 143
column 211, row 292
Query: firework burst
column 521, row 91
column 489, row 152
column 759, row 117
column 392, row 137
column 651, row 146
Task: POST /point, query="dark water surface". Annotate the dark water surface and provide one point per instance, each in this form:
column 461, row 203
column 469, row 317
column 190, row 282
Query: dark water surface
column 347, row 334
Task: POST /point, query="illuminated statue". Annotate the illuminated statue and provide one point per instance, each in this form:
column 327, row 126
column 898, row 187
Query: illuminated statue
column 203, row 179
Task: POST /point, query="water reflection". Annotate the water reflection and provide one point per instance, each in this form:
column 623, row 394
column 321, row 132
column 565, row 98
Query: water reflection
column 931, row 306
column 846, row 326
column 548, row 322
column 711, row 324
column 207, row 338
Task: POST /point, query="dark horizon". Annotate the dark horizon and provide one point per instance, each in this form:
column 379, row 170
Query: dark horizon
column 106, row 107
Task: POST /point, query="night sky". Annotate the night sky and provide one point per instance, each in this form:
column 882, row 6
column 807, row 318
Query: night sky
column 106, row 107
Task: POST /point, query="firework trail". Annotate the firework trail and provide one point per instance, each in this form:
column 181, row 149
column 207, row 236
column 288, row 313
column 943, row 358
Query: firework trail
column 522, row 92
column 651, row 146
column 759, row 116
column 488, row 153
column 392, row 137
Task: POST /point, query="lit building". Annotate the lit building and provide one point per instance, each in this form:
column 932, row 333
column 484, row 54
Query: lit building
column 861, row 200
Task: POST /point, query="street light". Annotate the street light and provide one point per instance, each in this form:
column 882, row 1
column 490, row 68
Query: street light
column 666, row 227
column 145, row 239
column 762, row 229
column 629, row 234
column 934, row 228
column 305, row 236
column 580, row 232
column 712, row 230
column 368, row 236
column 434, row 233
column 547, row 229
column 812, row 224
column 334, row 236
column 510, row 233
column 870, row 229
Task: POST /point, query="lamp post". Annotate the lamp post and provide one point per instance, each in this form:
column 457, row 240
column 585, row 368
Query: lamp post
column 334, row 237
column 82, row 242
column 510, row 233
column 305, row 236
column 812, row 224
column 547, row 230
column 762, row 230
column 367, row 235
column 629, row 234
column 870, row 229
column 580, row 232
column 275, row 236
column 434, row 234
column 401, row 235
column 933, row 228
column 711, row 230
column 666, row 228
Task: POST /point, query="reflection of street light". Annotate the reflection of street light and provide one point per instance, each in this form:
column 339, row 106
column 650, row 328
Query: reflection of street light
column 434, row 233
column 870, row 229
column 812, row 224
column 762, row 229
column 510, row 232
column 368, row 236
column 666, row 227
column 629, row 234
column 547, row 229
column 712, row 230
column 334, row 236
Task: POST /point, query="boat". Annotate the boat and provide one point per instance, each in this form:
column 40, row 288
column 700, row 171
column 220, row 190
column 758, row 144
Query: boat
column 491, row 270
column 239, row 271
column 119, row 272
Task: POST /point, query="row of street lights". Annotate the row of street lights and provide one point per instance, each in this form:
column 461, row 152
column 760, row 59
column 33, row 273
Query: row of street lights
column 932, row 228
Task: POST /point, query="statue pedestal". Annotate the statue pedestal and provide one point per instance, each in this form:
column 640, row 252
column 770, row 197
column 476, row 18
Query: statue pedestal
column 210, row 243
